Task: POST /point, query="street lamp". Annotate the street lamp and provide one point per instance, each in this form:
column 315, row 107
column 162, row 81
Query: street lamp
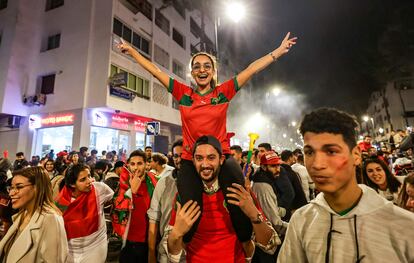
column 365, row 118
column 235, row 11
column 276, row 91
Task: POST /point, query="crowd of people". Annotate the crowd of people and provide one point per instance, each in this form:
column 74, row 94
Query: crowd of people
column 76, row 207
column 332, row 201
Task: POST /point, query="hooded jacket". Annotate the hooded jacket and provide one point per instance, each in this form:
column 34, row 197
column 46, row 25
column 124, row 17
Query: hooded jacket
column 375, row 230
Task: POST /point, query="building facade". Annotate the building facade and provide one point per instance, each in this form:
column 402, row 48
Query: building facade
column 390, row 109
column 57, row 57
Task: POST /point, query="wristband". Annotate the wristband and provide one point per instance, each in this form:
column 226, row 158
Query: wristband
column 273, row 56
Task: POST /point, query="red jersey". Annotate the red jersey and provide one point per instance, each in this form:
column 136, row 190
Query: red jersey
column 138, row 227
column 204, row 114
column 215, row 239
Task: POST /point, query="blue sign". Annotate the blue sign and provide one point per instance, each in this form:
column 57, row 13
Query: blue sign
column 121, row 93
column 153, row 128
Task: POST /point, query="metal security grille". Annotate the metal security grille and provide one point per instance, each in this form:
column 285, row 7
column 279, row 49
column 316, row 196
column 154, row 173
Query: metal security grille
column 160, row 94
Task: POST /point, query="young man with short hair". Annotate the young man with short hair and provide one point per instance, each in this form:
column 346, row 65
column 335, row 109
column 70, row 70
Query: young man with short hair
column 346, row 222
column 129, row 218
column 159, row 212
column 215, row 239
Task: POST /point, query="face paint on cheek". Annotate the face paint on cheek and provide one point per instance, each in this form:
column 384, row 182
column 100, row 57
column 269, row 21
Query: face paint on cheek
column 342, row 162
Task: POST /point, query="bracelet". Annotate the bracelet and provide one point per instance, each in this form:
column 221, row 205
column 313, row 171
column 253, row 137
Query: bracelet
column 259, row 219
column 273, row 56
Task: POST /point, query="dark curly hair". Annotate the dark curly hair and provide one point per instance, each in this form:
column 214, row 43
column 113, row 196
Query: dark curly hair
column 392, row 183
column 330, row 120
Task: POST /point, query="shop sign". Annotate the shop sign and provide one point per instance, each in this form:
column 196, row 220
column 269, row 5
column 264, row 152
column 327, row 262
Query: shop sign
column 36, row 122
column 117, row 121
column 99, row 119
column 139, row 125
column 120, row 122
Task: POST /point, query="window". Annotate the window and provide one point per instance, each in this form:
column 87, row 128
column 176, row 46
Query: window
column 117, row 28
column 179, row 7
column 161, row 57
column 134, row 38
column 53, row 42
column 145, row 45
column 52, row 4
column 48, row 84
column 126, row 33
column 140, row 43
column 136, row 6
column 194, row 28
column 178, row 69
column 178, row 38
column 3, row 4
column 132, row 82
column 135, row 83
column 162, row 22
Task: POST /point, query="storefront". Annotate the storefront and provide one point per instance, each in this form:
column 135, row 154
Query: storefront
column 52, row 132
column 100, row 129
column 120, row 132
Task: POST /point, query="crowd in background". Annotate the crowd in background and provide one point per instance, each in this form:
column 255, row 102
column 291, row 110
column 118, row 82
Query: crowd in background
column 387, row 170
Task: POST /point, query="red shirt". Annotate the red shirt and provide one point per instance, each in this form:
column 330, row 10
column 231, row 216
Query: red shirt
column 203, row 114
column 138, row 226
column 364, row 146
column 215, row 239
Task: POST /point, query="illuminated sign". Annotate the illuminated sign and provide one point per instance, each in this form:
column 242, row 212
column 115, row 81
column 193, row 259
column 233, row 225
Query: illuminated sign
column 139, row 125
column 120, row 122
column 117, row 121
column 57, row 120
column 36, row 122
column 99, row 119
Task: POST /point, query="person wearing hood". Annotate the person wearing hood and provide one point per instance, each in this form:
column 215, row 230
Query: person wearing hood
column 346, row 222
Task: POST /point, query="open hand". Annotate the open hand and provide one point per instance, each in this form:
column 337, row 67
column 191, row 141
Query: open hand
column 185, row 217
column 242, row 199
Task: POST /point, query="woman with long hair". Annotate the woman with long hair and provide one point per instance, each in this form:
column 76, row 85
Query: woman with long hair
column 37, row 233
column 82, row 202
column 50, row 168
column 406, row 198
column 203, row 111
column 378, row 176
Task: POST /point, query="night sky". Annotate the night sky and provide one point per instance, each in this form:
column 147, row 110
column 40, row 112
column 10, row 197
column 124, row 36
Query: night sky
column 337, row 50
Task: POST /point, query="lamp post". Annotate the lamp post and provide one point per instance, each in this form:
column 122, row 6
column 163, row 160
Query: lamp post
column 235, row 11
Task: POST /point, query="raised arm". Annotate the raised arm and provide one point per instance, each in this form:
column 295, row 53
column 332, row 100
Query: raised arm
column 163, row 77
column 266, row 60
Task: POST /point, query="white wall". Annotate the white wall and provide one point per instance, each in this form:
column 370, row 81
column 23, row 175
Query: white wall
column 8, row 141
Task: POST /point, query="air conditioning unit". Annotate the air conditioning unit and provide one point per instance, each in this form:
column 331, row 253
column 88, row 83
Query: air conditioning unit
column 13, row 122
column 38, row 99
